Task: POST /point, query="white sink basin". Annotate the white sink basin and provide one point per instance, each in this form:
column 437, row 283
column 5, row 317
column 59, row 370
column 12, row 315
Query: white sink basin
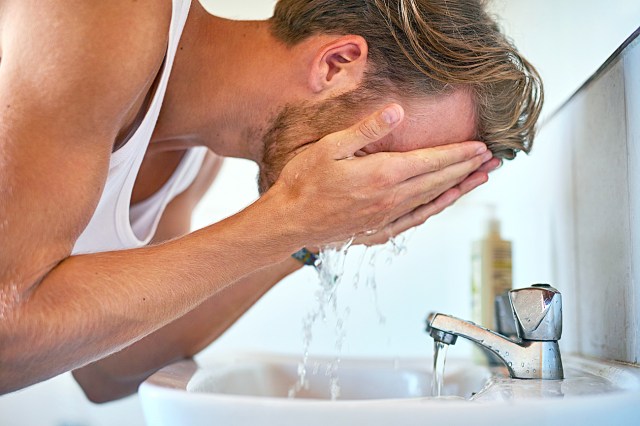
column 254, row 390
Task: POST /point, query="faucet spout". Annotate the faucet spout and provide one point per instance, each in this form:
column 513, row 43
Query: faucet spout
column 537, row 319
column 525, row 359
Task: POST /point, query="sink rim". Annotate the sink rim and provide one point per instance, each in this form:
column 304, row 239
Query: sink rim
column 166, row 402
column 176, row 377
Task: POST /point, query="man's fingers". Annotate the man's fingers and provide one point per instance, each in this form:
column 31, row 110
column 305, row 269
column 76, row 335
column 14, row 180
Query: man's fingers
column 420, row 214
column 401, row 166
column 473, row 181
column 428, row 203
column 424, row 188
column 412, row 219
column 490, row 165
column 344, row 144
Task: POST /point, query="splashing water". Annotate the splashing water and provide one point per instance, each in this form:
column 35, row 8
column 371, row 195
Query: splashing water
column 331, row 268
column 330, row 272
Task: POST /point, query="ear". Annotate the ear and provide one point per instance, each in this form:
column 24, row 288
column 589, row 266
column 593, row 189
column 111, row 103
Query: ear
column 339, row 65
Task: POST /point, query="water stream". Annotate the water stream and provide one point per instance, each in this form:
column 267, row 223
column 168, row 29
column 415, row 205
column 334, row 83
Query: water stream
column 439, row 360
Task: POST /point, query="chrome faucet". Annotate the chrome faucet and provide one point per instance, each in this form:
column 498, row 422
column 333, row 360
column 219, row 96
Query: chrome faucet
column 536, row 313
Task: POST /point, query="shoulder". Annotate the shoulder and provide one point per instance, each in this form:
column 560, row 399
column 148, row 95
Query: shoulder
column 79, row 50
column 91, row 27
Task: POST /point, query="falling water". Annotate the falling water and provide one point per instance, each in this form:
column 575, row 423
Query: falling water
column 330, row 271
column 439, row 359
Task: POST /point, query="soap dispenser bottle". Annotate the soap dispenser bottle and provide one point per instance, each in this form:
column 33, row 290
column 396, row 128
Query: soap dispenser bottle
column 491, row 272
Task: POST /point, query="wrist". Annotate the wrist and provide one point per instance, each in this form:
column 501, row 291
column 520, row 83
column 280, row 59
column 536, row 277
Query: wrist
column 306, row 257
column 274, row 226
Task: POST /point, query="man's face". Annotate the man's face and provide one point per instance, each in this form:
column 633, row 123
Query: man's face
column 431, row 121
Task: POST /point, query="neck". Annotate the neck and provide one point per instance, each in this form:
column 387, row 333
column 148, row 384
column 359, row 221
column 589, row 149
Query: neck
column 225, row 87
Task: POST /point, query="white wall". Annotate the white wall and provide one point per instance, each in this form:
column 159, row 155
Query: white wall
column 240, row 9
column 567, row 40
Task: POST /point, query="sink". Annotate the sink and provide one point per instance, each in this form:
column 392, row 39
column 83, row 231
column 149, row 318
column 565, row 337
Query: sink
column 357, row 379
column 254, row 390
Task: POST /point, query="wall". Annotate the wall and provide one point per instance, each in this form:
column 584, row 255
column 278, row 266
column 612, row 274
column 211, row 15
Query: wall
column 572, row 209
column 607, row 171
column 566, row 40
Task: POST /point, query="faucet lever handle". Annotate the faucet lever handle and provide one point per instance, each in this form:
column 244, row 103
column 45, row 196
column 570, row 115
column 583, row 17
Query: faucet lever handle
column 504, row 317
column 538, row 312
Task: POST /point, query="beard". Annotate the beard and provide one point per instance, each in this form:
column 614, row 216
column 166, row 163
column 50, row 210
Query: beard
column 297, row 126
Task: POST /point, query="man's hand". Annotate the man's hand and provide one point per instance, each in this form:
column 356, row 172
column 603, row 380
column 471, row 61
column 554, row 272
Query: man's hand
column 335, row 195
column 424, row 212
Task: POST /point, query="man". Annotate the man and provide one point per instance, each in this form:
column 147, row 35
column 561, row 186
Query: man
column 358, row 113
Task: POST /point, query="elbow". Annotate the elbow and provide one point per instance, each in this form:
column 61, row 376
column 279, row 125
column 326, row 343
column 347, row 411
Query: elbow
column 99, row 388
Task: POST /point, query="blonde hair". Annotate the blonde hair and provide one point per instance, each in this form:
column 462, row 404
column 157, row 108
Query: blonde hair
column 432, row 47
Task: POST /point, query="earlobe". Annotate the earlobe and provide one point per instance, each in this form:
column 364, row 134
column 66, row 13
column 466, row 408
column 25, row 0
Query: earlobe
column 339, row 65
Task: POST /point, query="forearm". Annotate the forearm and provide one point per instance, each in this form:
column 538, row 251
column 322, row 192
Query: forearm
column 120, row 374
column 94, row 305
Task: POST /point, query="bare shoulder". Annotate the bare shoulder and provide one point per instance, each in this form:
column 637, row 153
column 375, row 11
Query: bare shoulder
column 70, row 73
column 79, row 51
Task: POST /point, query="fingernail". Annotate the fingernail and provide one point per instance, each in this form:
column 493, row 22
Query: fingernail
column 391, row 115
column 482, row 148
column 487, row 156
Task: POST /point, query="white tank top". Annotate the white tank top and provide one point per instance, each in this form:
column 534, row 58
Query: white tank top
column 115, row 224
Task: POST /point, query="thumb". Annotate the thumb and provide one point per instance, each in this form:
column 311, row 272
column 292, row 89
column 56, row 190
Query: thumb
column 371, row 129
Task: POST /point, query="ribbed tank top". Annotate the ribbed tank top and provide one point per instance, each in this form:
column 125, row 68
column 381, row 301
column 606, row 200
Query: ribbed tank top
column 116, row 224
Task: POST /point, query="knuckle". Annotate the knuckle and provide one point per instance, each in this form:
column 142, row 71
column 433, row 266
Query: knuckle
column 388, row 202
column 440, row 181
column 329, row 142
column 383, row 177
column 423, row 213
column 369, row 130
column 441, row 161
column 476, row 162
column 391, row 170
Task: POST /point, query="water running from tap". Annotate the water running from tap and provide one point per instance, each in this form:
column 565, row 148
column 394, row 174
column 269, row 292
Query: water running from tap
column 439, row 360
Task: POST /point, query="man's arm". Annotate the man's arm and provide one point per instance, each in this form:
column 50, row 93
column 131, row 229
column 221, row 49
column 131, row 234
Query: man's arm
column 120, row 374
